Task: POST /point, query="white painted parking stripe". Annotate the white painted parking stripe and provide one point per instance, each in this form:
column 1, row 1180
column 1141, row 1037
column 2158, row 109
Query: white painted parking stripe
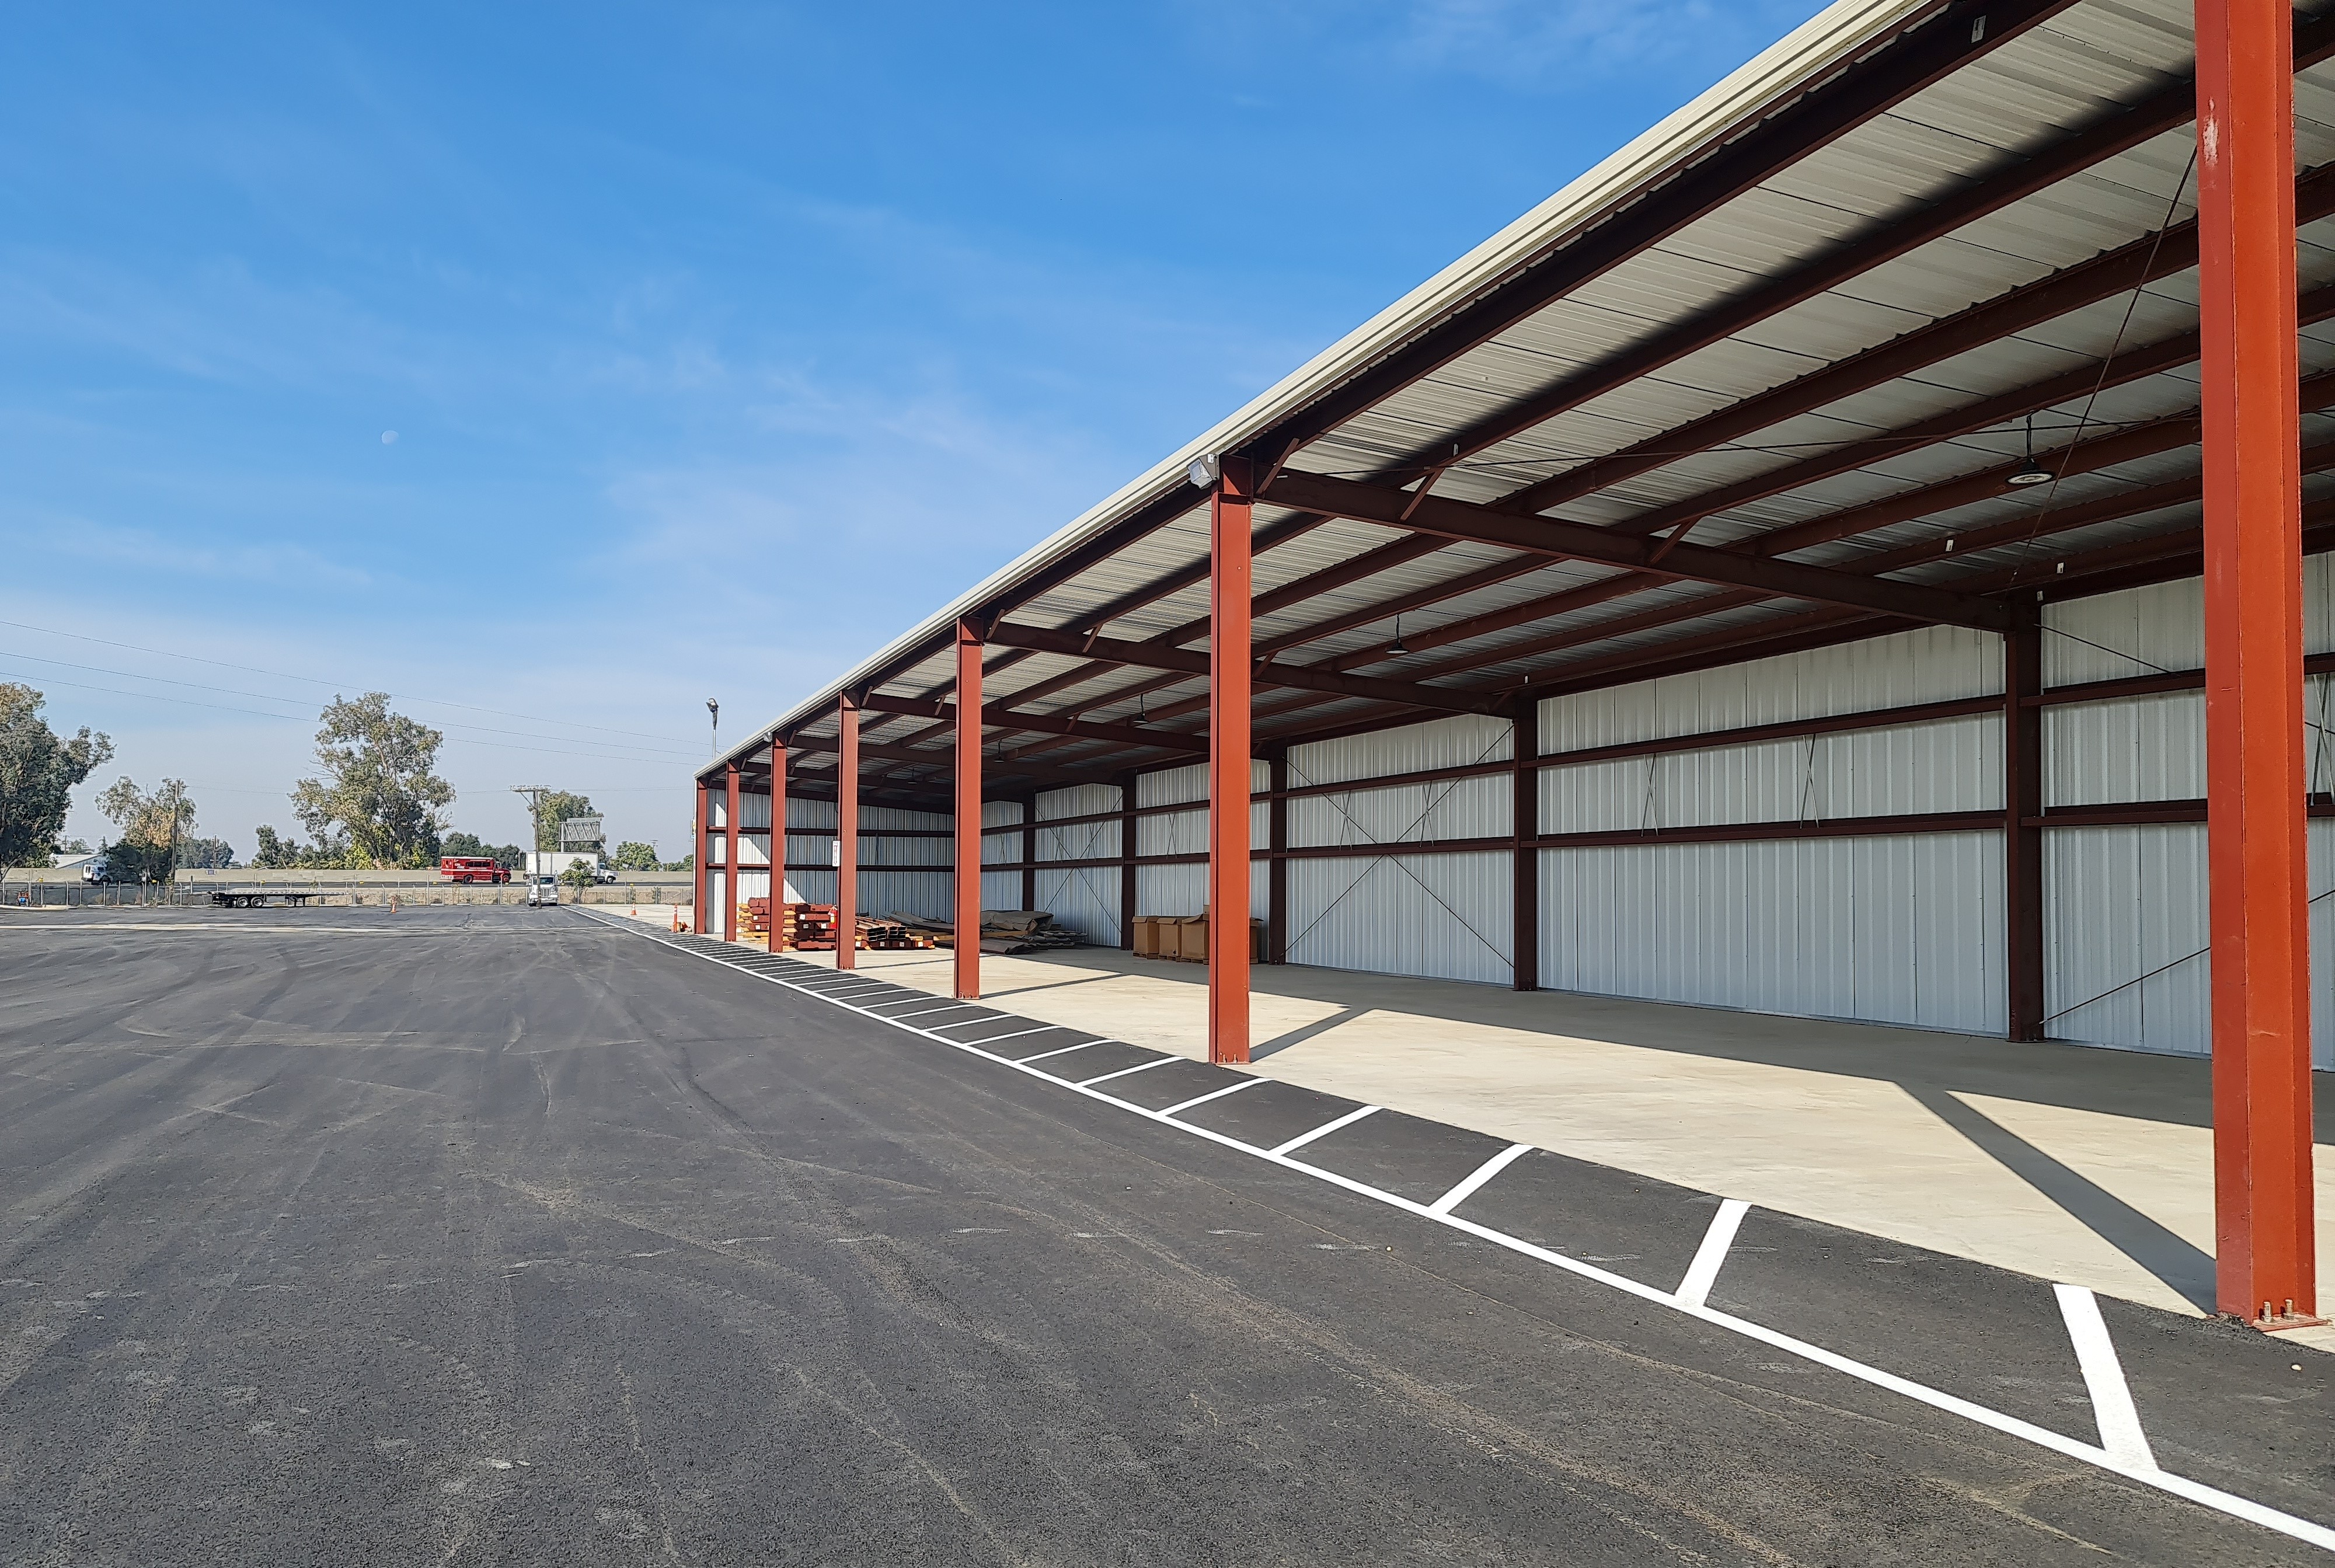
column 929, row 1012
column 1122, row 1072
column 1704, row 1272
column 1039, row 1057
column 2112, row 1407
column 999, row 1039
column 1483, row 1172
column 2197, row 1492
column 1215, row 1094
column 1326, row 1129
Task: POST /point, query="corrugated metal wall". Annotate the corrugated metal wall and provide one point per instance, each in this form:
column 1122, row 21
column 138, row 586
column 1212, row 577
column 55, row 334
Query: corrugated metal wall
column 1183, row 889
column 1084, row 898
column 2124, row 907
column 1445, row 916
column 1903, row 929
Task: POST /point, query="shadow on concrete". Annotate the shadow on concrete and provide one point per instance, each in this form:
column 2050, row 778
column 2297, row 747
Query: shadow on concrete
column 1300, row 1036
column 2182, row 1266
column 2174, row 1089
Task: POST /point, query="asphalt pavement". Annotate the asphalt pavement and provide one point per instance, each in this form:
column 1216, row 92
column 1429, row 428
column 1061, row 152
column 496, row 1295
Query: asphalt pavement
column 469, row 1236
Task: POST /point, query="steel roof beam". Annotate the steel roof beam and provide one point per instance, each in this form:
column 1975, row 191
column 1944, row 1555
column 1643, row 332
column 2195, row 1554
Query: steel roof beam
column 1040, row 723
column 1146, row 655
column 2145, row 260
column 1553, row 538
column 2168, row 109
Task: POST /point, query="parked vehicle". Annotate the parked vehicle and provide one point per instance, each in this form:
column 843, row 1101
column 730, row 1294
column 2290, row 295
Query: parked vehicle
column 542, row 892
column 471, row 869
column 605, row 875
column 99, row 870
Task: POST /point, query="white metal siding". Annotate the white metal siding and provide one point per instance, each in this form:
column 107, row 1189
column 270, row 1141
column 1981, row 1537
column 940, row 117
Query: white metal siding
column 1083, row 898
column 1413, row 749
column 1953, row 765
column 998, row 890
column 2119, row 903
column 1406, row 813
column 925, row 893
column 1445, row 916
column 1934, row 665
column 1902, row 929
column 1170, row 889
column 1079, row 800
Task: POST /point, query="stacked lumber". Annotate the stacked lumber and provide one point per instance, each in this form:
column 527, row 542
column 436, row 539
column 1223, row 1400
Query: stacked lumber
column 1002, row 931
column 814, row 928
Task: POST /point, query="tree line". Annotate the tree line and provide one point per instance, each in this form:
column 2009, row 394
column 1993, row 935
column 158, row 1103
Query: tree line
column 375, row 802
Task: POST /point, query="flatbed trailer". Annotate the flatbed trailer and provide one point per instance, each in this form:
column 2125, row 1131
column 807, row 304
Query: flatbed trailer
column 257, row 897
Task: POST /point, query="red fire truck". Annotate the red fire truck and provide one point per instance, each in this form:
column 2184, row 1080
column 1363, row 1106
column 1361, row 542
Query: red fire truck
column 471, row 869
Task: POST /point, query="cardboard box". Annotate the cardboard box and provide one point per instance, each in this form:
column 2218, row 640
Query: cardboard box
column 1192, row 939
column 1146, row 936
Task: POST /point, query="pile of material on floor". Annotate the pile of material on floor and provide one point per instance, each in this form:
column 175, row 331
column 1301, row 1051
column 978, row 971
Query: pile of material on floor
column 811, row 928
column 1001, row 931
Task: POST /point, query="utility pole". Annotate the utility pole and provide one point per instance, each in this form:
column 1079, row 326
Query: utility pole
column 534, row 794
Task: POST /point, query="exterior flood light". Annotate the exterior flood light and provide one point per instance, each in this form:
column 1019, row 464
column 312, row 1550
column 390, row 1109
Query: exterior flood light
column 1204, row 470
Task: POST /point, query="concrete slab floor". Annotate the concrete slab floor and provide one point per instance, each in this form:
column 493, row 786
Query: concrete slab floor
column 2079, row 1165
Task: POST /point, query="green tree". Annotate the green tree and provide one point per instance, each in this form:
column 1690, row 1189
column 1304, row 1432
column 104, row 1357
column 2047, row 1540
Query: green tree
column 558, row 805
column 37, row 773
column 633, row 856
column 209, row 854
column 378, row 787
column 151, row 826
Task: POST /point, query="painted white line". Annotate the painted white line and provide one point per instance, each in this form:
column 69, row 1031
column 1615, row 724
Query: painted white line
column 1122, row 1072
column 1701, row 1273
column 995, row 1039
column 2197, row 1492
column 1039, row 1057
column 1215, row 1094
column 929, row 1012
column 1324, row 1130
column 1483, row 1172
column 2112, row 1407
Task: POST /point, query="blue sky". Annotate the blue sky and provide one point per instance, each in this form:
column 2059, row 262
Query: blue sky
column 720, row 341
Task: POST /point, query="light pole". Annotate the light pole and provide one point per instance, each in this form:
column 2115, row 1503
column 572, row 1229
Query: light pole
column 715, row 708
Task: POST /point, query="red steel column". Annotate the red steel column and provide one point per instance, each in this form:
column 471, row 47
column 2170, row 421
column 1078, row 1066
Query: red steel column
column 1228, row 760
column 2255, row 848
column 730, row 862
column 778, row 838
column 1524, row 858
column 1276, row 874
column 2022, row 803
column 847, row 833
column 968, row 813
column 705, row 878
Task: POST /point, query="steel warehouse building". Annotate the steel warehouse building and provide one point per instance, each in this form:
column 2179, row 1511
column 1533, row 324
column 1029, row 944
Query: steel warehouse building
column 1806, row 565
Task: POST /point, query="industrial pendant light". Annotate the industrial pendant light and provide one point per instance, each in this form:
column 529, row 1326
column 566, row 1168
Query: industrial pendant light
column 2033, row 472
column 1395, row 649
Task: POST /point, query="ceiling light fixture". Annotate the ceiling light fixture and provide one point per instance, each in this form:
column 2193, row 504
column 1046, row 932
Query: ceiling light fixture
column 2033, row 472
column 1395, row 649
